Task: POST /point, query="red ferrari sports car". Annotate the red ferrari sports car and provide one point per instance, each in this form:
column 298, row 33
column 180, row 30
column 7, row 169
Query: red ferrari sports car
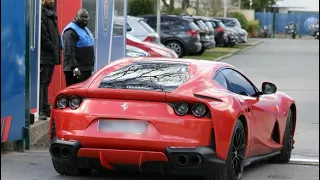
column 172, row 116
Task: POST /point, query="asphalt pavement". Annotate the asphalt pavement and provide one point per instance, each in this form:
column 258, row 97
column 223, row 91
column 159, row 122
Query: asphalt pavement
column 293, row 65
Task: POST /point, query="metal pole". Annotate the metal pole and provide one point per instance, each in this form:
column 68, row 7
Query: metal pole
column 225, row 8
column 158, row 17
column 239, row 6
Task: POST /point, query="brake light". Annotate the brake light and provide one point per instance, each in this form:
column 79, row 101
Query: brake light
column 150, row 39
column 193, row 33
column 220, row 29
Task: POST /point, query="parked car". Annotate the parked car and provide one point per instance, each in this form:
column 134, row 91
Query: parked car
column 235, row 24
column 205, row 40
column 180, row 35
column 153, row 49
column 170, row 116
column 138, row 28
column 132, row 51
column 231, row 35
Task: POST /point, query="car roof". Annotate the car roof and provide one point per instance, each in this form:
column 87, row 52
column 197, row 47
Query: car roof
column 227, row 18
column 165, row 15
column 203, row 65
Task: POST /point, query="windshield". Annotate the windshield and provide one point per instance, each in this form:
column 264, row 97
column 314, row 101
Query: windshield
column 221, row 24
column 202, row 25
column 152, row 76
column 194, row 26
column 209, row 25
column 146, row 26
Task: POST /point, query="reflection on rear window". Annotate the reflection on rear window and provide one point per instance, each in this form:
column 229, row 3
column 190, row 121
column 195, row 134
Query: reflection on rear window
column 146, row 26
column 194, row 26
column 152, row 76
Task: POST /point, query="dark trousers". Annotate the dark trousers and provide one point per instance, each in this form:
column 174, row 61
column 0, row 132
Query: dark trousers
column 70, row 79
column 46, row 73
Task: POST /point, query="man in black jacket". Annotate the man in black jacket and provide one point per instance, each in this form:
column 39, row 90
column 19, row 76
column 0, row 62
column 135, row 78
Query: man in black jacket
column 50, row 54
column 78, row 44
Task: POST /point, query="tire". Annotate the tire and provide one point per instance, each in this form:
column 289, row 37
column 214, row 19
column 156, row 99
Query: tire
column 68, row 170
column 285, row 155
column 201, row 51
column 228, row 172
column 176, row 47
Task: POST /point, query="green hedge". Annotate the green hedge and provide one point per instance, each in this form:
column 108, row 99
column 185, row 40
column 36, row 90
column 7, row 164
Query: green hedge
column 241, row 17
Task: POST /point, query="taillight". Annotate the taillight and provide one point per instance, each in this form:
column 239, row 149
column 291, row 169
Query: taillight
column 197, row 109
column 220, row 29
column 63, row 102
column 193, row 33
column 150, row 39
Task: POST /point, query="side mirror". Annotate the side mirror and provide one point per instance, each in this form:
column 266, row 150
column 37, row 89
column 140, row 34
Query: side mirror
column 286, row 27
column 269, row 88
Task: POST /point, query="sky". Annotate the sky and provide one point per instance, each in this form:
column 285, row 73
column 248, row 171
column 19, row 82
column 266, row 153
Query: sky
column 310, row 5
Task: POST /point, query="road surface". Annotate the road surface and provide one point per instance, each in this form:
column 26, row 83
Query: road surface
column 293, row 65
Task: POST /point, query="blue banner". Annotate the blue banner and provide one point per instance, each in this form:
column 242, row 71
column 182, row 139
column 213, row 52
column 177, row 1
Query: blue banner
column 13, row 64
column 304, row 21
column 105, row 10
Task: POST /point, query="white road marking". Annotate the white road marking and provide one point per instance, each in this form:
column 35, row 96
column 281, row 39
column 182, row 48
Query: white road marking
column 304, row 161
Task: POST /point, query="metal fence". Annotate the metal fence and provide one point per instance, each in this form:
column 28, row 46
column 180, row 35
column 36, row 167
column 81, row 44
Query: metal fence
column 304, row 21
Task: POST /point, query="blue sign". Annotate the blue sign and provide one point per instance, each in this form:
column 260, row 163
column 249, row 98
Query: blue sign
column 104, row 32
column 13, row 43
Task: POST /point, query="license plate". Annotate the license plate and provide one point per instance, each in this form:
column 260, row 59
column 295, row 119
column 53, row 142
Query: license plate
column 123, row 126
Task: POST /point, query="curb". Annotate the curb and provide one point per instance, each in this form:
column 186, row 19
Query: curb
column 239, row 50
column 310, row 162
column 38, row 130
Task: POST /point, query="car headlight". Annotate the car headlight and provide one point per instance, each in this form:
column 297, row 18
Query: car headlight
column 181, row 108
column 199, row 110
column 74, row 102
column 62, row 102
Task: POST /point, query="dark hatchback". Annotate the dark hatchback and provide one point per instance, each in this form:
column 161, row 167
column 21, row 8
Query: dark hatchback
column 219, row 26
column 205, row 40
column 178, row 34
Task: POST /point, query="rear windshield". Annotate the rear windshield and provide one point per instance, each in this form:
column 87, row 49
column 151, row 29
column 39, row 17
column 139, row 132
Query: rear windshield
column 152, row 76
column 146, row 26
column 202, row 25
column 194, row 26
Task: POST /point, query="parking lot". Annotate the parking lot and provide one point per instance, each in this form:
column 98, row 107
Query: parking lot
column 293, row 65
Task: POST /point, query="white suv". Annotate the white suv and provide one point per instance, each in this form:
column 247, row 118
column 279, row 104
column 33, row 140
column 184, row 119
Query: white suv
column 138, row 28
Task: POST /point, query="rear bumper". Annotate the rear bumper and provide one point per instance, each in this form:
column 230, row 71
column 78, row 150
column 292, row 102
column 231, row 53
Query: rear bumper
column 181, row 161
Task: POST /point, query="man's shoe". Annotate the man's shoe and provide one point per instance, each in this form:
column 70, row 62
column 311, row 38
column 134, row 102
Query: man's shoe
column 47, row 114
column 42, row 117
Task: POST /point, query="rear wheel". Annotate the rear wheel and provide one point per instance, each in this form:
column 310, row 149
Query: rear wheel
column 69, row 170
column 176, row 47
column 235, row 160
column 285, row 155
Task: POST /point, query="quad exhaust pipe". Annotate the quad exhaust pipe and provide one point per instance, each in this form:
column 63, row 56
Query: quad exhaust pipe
column 58, row 151
column 195, row 160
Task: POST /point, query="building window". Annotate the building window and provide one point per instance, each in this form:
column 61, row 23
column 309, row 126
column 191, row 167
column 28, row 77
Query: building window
column 90, row 6
column 118, row 30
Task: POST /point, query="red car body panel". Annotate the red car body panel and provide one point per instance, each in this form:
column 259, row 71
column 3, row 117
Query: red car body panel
column 165, row 128
column 151, row 47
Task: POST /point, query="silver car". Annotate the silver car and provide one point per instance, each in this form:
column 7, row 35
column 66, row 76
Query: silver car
column 138, row 28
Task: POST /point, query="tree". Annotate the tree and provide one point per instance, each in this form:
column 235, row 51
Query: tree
column 141, row 7
column 259, row 5
column 169, row 7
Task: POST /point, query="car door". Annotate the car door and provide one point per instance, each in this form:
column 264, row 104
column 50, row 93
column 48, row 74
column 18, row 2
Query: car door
column 260, row 107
